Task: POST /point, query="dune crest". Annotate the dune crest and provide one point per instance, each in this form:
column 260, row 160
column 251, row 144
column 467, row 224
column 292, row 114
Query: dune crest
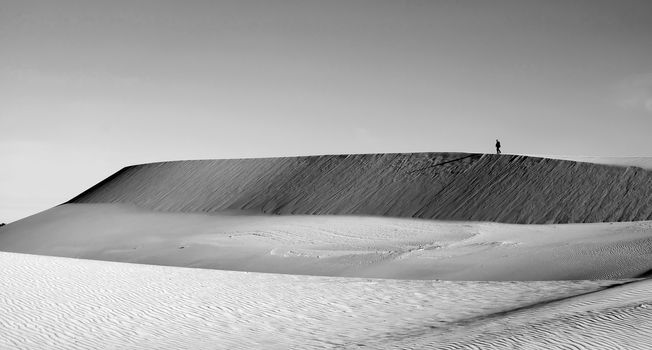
column 445, row 186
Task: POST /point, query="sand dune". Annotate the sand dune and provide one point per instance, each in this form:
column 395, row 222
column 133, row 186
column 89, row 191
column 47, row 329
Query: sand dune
column 337, row 245
column 60, row 303
column 450, row 186
column 640, row 162
column 375, row 221
column 619, row 317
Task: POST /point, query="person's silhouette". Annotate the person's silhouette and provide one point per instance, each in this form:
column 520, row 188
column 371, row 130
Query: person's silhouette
column 497, row 147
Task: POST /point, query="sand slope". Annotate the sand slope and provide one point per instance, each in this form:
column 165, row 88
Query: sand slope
column 337, row 245
column 639, row 162
column 59, row 303
column 451, row 186
column 211, row 214
column 619, row 317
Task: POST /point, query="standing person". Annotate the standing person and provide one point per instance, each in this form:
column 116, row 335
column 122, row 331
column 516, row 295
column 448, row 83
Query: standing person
column 497, row 147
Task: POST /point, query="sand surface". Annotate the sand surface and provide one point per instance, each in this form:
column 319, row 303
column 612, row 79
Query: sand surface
column 449, row 186
column 61, row 303
column 337, row 245
column 373, row 270
column 640, row 162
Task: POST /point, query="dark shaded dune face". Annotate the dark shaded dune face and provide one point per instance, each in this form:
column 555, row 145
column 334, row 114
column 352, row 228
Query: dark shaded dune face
column 446, row 186
column 639, row 162
column 361, row 216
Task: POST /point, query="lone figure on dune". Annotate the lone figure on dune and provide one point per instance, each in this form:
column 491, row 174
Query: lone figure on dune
column 497, row 147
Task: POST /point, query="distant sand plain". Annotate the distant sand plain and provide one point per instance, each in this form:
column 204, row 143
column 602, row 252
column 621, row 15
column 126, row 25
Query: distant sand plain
column 573, row 279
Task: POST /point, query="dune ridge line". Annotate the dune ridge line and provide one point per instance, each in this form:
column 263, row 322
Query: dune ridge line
column 444, row 186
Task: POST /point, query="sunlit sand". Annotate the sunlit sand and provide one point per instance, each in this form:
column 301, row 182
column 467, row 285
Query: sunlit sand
column 171, row 255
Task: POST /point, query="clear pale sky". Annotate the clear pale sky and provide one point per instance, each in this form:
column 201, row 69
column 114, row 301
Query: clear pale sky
column 87, row 87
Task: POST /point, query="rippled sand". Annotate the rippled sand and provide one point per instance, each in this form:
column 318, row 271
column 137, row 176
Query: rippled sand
column 371, row 225
column 352, row 246
column 443, row 186
column 62, row 303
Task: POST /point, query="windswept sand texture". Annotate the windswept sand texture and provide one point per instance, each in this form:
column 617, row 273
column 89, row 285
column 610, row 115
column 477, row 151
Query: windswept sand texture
column 58, row 303
column 331, row 245
column 447, row 186
column 562, row 283
column 639, row 162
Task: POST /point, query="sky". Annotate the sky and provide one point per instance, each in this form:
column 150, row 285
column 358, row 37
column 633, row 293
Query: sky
column 88, row 87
